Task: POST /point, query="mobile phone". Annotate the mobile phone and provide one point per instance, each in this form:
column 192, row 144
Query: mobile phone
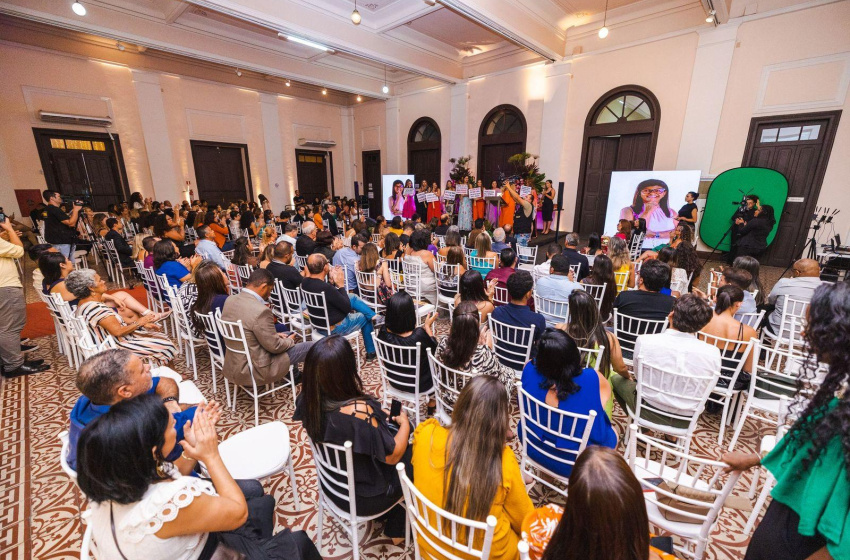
column 395, row 408
column 2, row 216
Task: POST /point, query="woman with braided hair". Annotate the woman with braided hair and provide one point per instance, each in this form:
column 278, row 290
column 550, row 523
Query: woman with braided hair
column 809, row 517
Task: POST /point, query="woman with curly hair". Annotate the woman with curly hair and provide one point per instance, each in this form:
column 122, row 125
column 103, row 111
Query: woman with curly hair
column 686, row 257
column 810, row 511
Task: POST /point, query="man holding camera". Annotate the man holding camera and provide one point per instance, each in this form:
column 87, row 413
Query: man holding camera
column 60, row 228
column 13, row 307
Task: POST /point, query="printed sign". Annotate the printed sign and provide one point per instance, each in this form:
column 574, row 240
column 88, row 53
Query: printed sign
column 462, row 189
column 475, row 193
column 524, row 190
column 431, row 197
column 448, row 195
column 489, row 193
column 421, row 196
column 408, row 192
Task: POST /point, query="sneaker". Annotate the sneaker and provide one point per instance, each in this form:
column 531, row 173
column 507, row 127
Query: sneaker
column 371, row 356
column 28, row 347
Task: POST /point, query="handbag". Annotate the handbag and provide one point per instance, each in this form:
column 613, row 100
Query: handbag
column 221, row 552
column 684, row 492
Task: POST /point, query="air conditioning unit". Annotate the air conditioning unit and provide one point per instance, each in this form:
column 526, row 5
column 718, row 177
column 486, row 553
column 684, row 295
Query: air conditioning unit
column 80, row 120
column 316, row 143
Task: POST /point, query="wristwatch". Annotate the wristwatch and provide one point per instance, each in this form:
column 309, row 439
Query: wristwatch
column 169, row 399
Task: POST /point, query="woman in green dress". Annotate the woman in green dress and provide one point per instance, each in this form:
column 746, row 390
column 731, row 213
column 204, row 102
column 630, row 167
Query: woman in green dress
column 809, row 517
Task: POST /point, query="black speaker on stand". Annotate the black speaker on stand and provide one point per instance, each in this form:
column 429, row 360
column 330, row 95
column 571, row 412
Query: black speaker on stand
column 560, row 202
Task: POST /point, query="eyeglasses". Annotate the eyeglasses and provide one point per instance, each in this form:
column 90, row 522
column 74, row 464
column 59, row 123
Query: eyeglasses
column 653, row 191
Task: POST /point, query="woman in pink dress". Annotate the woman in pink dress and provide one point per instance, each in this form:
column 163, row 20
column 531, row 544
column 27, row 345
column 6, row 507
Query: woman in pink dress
column 410, row 202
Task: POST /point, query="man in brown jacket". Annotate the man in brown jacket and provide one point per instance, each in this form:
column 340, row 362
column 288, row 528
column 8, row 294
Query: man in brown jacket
column 271, row 352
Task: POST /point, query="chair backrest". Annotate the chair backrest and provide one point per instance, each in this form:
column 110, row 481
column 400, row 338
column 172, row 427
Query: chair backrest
column 300, row 262
column 591, row 356
column 526, row 255
column 411, row 280
column 683, row 470
column 542, row 425
column 212, row 334
column 752, row 319
column 400, row 364
column 151, row 284
column 368, row 284
column 597, row 292
column 449, row 382
column 63, row 456
column 449, row 535
column 317, row 309
column 448, row 279
column 481, row 263
column 776, row 373
column 163, row 285
column 179, row 311
column 622, row 280
column 656, row 384
column 734, row 353
column 235, row 280
column 555, row 311
column 112, row 252
column 575, row 268
column 89, row 347
column 637, row 243
column 293, row 300
column 244, row 271
column 501, row 296
column 441, row 240
column 511, row 344
column 468, row 251
column 792, row 323
column 277, row 301
column 335, row 473
column 233, row 333
column 376, row 238
column 627, row 329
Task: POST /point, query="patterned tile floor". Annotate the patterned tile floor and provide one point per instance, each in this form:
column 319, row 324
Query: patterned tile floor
column 41, row 506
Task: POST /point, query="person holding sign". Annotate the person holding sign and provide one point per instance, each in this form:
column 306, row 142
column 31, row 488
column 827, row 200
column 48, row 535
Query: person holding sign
column 548, row 205
column 421, row 205
column 435, row 208
column 523, row 214
column 397, row 198
column 410, row 200
column 464, row 214
column 478, row 207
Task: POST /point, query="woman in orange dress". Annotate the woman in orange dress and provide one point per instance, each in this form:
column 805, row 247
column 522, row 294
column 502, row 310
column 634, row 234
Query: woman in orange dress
column 435, row 209
column 479, row 206
column 507, row 212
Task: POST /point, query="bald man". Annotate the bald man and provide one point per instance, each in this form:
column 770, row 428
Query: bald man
column 801, row 286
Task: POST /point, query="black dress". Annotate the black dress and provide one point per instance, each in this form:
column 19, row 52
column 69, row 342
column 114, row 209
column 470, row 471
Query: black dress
column 418, row 335
column 547, row 208
column 687, row 211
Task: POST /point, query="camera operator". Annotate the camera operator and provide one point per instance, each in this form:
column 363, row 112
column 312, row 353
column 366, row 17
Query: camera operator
column 745, row 212
column 60, row 228
column 13, row 309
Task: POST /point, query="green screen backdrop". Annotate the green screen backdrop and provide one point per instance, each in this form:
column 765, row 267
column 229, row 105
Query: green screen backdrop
column 729, row 187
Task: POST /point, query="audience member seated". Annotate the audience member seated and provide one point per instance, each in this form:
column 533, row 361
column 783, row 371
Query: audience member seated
column 751, row 265
column 141, row 506
column 559, row 284
column 305, row 245
column 593, row 248
column 499, row 240
column 472, row 288
column 281, row 266
column 602, row 272
column 686, row 257
column 576, row 258
column 621, row 261
column 468, row 470
column 469, row 348
column 676, row 349
column 742, row 279
column 400, row 330
column 334, row 408
column 217, row 224
column 116, row 235
column 678, row 276
column 396, row 225
column 208, row 249
column 347, row 258
column 391, row 249
column 517, row 313
column 724, row 324
column 370, row 263
column 452, row 239
column 327, row 244
column 543, row 268
column 213, row 289
column 243, row 253
column 347, row 312
column 804, row 280
column 146, row 255
column 647, row 302
column 271, row 352
column 115, row 375
column 167, row 227
column 604, row 493
column 167, row 261
column 445, row 222
column 556, row 377
column 86, row 285
column 290, row 233
column 419, row 254
column 587, row 331
column 507, row 266
column 483, row 250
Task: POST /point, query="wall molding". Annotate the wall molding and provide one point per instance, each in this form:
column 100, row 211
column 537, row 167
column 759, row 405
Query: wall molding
column 369, row 145
column 32, row 110
column 310, row 132
column 195, row 135
column 837, row 100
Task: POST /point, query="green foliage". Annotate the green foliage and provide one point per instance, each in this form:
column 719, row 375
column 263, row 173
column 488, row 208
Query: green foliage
column 525, row 165
column 460, row 169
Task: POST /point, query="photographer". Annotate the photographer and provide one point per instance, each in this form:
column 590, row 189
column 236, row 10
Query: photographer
column 745, row 212
column 13, row 311
column 59, row 227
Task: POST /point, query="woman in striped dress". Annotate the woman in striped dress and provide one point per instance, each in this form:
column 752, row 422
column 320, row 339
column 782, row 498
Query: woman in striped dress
column 103, row 321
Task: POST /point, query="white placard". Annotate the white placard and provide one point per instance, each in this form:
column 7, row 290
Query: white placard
column 431, row 197
column 448, row 195
column 489, row 193
column 421, row 196
column 371, row 194
column 408, row 192
column 524, row 190
column 475, row 193
column 462, row 189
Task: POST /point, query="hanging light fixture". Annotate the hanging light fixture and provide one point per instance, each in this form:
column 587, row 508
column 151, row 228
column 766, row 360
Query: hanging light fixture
column 78, row 8
column 386, row 88
column 603, row 31
column 287, row 83
column 355, row 15
column 710, row 17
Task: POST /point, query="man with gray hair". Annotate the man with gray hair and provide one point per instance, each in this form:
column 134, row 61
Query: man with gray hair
column 576, row 258
column 305, row 245
column 208, row 249
column 290, row 233
column 499, row 240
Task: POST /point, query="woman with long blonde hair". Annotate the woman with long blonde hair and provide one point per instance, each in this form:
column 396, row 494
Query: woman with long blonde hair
column 621, row 260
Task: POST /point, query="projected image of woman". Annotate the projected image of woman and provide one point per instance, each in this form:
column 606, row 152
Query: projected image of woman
column 397, row 199
column 651, row 202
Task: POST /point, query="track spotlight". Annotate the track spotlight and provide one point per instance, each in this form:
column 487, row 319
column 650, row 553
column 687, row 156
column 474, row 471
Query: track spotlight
column 78, row 8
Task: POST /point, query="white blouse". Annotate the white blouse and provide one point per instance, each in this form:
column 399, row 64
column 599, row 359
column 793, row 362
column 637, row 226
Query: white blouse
column 137, row 523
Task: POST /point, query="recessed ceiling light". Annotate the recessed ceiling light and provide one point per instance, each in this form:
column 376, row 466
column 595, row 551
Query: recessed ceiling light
column 324, row 92
column 359, row 98
column 78, row 8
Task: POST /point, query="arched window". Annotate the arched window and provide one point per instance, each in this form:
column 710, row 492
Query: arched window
column 502, row 135
column 424, row 144
column 620, row 134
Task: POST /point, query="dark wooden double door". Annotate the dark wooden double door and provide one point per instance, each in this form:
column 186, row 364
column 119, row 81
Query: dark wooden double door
column 221, row 172
column 604, row 155
column 311, row 167
column 494, row 161
column 424, row 165
column 372, row 183
column 798, row 146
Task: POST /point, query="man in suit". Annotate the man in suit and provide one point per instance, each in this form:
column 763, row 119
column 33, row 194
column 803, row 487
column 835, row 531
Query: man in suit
column 271, row 352
column 116, row 235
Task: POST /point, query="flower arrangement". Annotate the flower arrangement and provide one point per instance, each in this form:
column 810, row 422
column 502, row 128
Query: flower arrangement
column 525, row 165
column 460, row 169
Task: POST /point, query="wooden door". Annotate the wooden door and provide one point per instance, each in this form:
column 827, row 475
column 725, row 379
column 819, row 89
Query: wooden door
column 798, row 146
column 220, row 171
column 494, row 161
column 312, row 170
column 633, row 152
column 70, row 173
column 601, row 161
column 372, row 182
column 103, row 182
column 424, row 165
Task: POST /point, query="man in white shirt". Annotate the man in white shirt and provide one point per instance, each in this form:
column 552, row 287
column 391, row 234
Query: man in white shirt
column 801, row 286
column 542, row 269
column 676, row 349
column 557, row 286
column 208, row 249
column 347, row 258
column 290, row 233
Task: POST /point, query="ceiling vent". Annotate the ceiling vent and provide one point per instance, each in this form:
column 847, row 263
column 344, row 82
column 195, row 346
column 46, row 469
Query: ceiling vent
column 80, row 120
column 316, row 143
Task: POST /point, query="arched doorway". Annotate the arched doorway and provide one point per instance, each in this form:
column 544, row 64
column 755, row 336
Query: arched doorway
column 502, row 135
column 423, row 150
column 619, row 135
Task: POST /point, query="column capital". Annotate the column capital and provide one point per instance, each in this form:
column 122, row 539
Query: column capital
column 720, row 34
column 558, row 69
